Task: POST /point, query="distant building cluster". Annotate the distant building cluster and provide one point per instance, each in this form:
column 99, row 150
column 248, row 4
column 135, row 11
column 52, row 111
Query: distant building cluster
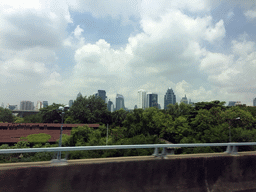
column 144, row 100
column 26, row 105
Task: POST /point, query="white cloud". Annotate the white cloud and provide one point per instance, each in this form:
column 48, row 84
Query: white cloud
column 243, row 48
column 37, row 23
column 54, row 79
column 78, row 31
column 236, row 72
column 250, row 14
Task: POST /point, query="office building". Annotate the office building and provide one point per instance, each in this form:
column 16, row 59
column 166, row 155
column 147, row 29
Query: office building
column 152, row 100
column 184, row 100
column 159, row 106
column 119, row 102
column 12, row 107
column 169, row 98
column 231, row 103
column 45, row 104
column 110, row 106
column 191, row 103
column 254, row 102
column 142, row 99
column 39, row 105
column 70, row 103
column 102, row 95
column 79, row 95
column 26, row 105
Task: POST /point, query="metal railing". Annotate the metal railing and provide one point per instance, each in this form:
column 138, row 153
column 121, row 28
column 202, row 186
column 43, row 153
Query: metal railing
column 232, row 148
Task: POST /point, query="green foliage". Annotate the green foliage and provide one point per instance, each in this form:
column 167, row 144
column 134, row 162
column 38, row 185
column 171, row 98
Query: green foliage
column 6, row 115
column 51, row 114
column 118, row 117
column 32, row 119
column 207, row 122
column 18, row 120
column 37, row 138
column 177, row 110
column 90, row 110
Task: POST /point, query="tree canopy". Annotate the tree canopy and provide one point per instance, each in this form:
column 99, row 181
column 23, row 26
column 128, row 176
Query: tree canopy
column 6, row 115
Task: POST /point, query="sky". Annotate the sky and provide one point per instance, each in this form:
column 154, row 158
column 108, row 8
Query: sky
column 50, row 50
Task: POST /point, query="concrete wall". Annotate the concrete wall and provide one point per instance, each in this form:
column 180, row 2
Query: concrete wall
column 230, row 173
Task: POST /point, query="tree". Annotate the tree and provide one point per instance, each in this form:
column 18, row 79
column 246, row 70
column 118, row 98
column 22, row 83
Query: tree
column 51, row 114
column 117, row 117
column 6, row 115
column 177, row 110
column 37, row 118
column 90, row 110
column 150, row 121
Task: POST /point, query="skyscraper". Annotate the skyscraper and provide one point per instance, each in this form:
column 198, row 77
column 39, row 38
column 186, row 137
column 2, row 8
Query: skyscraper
column 152, row 100
column 184, row 100
column 79, row 95
column 12, row 107
column 169, row 98
column 110, row 106
column 142, row 99
column 119, row 102
column 231, row 103
column 45, row 104
column 70, row 103
column 39, row 105
column 254, row 102
column 26, row 105
column 101, row 94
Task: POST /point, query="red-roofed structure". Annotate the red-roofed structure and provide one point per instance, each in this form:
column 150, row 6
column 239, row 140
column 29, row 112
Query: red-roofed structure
column 12, row 132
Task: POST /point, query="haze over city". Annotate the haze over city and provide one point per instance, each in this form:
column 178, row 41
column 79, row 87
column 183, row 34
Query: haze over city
column 52, row 50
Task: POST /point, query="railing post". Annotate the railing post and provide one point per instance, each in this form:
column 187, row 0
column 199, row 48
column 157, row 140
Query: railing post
column 164, row 153
column 229, row 149
column 155, row 152
column 234, row 150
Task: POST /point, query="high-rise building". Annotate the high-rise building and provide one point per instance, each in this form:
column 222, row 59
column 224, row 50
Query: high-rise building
column 159, row 106
column 110, row 106
column 102, row 95
column 231, row 103
column 184, row 100
column 254, row 102
column 12, row 107
column 2, row 105
column 119, row 102
column 152, row 100
column 26, row 105
column 79, row 95
column 169, row 98
column 70, row 103
column 45, row 104
column 191, row 103
column 39, row 105
column 142, row 99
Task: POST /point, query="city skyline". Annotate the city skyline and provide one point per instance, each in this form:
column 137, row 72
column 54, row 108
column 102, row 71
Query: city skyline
column 205, row 49
column 146, row 100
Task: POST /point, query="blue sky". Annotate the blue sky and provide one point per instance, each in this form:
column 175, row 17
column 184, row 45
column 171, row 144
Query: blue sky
column 51, row 50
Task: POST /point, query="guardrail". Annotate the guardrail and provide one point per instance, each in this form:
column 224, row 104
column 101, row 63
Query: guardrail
column 232, row 148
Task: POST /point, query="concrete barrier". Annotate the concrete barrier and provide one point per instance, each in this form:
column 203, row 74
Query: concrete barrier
column 224, row 173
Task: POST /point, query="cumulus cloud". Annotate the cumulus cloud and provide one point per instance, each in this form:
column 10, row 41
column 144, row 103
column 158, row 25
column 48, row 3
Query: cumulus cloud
column 250, row 14
column 235, row 72
column 171, row 49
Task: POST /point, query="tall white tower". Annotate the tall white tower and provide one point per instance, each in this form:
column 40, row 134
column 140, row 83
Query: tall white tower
column 142, row 99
